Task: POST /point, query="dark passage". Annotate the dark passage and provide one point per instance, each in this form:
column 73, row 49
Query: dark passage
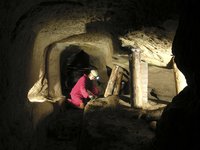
column 74, row 63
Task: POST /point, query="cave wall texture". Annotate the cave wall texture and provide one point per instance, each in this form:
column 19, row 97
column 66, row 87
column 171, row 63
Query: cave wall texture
column 178, row 127
column 35, row 24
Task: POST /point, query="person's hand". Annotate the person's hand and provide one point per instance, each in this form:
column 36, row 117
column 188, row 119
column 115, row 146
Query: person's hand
column 91, row 96
column 81, row 106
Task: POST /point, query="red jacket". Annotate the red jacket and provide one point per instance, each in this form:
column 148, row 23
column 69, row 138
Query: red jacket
column 81, row 87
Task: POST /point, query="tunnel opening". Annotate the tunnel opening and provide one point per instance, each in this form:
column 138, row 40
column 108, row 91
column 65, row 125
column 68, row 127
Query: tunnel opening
column 69, row 57
column 74, row 62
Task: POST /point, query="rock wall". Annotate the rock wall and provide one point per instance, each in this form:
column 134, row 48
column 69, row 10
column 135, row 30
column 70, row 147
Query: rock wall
column 178, row 127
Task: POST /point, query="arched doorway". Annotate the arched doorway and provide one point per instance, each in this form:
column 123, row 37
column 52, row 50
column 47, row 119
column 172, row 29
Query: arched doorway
column 74, row 62
column 95, row 51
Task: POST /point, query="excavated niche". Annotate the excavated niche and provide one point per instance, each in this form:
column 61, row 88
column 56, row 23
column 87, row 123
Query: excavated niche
column 98, row 46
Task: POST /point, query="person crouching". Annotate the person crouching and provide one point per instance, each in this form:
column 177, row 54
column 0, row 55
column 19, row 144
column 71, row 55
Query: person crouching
column 84, row 89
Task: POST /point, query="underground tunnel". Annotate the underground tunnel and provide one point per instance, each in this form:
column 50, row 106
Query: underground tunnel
column 47, row 46
column 74, row 62
column 73, row 66
column 49, row 86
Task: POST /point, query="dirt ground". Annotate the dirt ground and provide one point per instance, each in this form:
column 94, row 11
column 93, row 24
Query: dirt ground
column 100, row 126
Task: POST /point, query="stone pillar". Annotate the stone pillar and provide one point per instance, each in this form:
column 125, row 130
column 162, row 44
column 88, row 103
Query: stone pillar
column 135, row 76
